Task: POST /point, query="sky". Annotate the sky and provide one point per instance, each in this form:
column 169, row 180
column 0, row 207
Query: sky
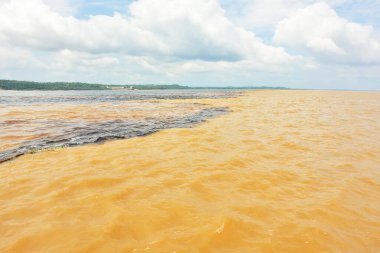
column 331, row 44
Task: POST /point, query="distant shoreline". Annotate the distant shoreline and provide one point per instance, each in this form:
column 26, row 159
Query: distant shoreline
column 30, row 86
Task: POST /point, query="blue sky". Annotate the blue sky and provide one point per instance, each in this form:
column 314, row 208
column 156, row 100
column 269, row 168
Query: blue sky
column 331, row 44
column 101, row 7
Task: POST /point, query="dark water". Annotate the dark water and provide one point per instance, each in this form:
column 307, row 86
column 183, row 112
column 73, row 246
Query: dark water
column 33, row 97
column 35, row 120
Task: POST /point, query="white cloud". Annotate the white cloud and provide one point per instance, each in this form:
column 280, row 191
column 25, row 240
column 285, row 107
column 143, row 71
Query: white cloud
column 64, row 7
column 166, row 28
column 199, row 30
column 319, row 32
column 263, row 16
column 34, row 25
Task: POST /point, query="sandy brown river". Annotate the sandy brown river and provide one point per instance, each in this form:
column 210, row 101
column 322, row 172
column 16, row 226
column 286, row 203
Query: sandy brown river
column 282, row 171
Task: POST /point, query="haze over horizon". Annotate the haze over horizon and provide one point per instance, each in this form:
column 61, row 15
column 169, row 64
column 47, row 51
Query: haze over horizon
column 331, row 44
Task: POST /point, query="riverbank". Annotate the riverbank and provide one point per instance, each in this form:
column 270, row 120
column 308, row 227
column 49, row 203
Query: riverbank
column 56, row 86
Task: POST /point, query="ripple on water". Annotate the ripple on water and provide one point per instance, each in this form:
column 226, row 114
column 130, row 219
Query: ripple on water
column 285, row 171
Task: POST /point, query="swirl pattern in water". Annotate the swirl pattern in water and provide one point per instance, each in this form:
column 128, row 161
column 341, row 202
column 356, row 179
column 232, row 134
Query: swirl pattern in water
column 31, row 121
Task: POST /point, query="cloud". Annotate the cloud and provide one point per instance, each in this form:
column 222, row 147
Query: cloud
column 32, row 24
column 63, row 7
column 263, row 16
column 319, row 32
column 166, row 28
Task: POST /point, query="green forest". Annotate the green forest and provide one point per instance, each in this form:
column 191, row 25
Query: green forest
column 25, row 85
column 28, row 85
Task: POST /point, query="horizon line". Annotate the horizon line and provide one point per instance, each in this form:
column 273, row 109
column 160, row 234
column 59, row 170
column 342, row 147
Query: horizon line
column 194, row 86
